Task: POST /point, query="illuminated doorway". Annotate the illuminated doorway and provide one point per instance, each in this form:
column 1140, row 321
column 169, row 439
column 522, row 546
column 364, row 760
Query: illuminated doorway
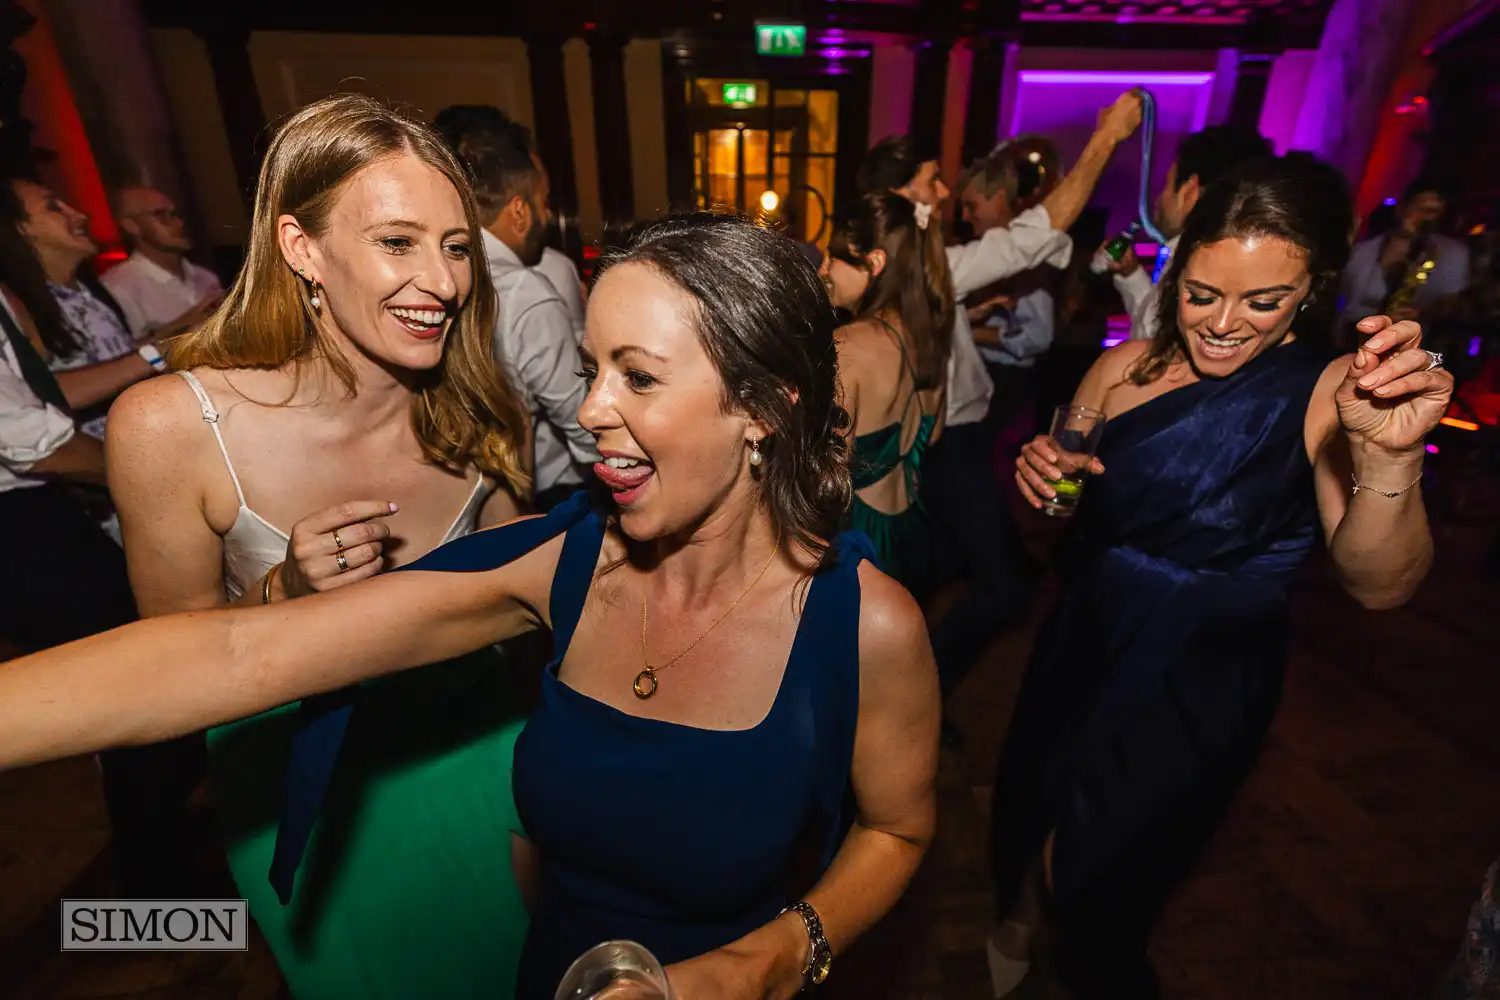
column 751, row 137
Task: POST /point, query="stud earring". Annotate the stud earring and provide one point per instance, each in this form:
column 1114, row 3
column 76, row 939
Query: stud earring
column 755, row 458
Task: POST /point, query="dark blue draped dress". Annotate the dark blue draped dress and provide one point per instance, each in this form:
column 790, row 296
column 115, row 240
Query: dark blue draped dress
column 1154, row 680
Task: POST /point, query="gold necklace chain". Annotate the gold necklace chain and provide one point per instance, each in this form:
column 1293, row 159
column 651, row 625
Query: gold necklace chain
column 645, row 681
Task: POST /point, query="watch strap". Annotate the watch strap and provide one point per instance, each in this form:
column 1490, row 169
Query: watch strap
column 820, row 954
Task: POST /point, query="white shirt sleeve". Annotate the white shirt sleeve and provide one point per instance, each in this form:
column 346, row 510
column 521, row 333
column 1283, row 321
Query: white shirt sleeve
column 118, row 282
column 30, row 430
column 1141, row 298
column 1031, row 334
column 546, row 363
column 1027, row 242
column 1450, row 272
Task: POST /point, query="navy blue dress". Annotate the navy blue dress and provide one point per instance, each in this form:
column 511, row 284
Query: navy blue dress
column 1153, row 682
column 679, row 838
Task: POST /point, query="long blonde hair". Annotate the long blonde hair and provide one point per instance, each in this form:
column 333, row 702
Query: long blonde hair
column 464, row 411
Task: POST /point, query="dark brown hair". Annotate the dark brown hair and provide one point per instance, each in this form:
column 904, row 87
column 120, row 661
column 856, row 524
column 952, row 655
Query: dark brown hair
column 914, row 283
column 765, row 321
column 21, row 272
column 1296, row 198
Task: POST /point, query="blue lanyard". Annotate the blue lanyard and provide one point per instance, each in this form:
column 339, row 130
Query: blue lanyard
column 1162, row 257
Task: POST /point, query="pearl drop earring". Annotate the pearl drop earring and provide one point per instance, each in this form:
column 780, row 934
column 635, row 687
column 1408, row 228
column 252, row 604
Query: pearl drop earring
column 755, row 458
column 315, row 300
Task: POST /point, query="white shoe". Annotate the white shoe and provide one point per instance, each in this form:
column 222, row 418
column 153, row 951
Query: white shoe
column 1005, row 973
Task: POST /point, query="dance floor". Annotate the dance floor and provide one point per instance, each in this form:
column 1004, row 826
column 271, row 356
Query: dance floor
column 1346, row 869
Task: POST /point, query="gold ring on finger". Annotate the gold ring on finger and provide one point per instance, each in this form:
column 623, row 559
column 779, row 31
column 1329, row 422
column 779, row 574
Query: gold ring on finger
column 338, row 542
column 343, row 563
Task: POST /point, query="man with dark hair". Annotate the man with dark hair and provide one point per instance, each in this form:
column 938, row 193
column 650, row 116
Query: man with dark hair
column 1382, row 266
column 1202, row 159
column 960, row 487
column 534, row 332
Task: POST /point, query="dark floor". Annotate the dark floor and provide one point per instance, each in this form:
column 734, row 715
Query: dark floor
column 1346, row 869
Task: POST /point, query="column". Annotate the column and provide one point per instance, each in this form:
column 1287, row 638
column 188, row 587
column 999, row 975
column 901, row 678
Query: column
column 1350, row 79
column 15, row 130
column 1251, row 78
column 929, row 94
column 106, row 48
column 612, row 127
column 239, row 101
column 679, row 131
column 554, row 138
column 986, row 77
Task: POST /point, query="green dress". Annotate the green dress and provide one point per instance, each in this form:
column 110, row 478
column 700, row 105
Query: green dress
column 903, row 541
column 406, row 890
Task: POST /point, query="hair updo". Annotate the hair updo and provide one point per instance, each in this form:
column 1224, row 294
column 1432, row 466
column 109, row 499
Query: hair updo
column 764, row 319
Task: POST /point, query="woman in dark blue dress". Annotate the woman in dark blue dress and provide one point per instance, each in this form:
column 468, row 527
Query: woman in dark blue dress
column 727, row 666
column 1231, row 447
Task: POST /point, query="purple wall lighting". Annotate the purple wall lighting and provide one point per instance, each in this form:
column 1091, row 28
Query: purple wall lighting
column 1064, row 106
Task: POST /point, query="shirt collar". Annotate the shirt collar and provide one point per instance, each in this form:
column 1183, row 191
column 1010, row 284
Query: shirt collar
column 497, row 251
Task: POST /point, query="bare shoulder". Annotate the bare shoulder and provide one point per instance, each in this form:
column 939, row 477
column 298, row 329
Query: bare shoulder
column 892, row 631
column 159, row 412
column 1111, row 369
column 1115, row 364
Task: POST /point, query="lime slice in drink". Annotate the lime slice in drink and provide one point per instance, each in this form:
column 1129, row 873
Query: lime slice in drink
column 1067, row 488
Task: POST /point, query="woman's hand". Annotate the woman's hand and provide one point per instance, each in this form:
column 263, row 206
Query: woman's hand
column 312, row 556
column 1040, row 460
column 765, row 964
column 1389, row 398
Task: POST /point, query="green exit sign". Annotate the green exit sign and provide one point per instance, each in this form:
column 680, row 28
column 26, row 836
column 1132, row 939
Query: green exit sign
column 739, row 93
column 780, row 39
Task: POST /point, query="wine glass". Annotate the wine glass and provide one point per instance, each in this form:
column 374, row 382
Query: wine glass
column 615, row 970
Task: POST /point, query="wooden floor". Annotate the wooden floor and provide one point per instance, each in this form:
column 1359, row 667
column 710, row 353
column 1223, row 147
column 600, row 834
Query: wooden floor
column 1346, row 869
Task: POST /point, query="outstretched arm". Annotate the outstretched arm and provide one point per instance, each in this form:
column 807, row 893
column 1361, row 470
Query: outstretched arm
column 164, row 677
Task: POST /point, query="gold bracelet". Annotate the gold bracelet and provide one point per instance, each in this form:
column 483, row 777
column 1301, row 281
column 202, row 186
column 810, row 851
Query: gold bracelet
column 1389, row 496
column 265, row 584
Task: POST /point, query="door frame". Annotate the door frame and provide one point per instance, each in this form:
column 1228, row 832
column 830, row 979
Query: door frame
column 687, row 56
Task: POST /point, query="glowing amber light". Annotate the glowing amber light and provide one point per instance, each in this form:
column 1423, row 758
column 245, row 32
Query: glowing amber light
column 1463, row 425
column 769, row 200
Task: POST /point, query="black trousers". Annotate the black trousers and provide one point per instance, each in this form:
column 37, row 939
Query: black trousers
column 977, row 535
column 64, row 579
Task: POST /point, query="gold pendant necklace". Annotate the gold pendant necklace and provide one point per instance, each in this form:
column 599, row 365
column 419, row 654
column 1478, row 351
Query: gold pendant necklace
column 645, row 682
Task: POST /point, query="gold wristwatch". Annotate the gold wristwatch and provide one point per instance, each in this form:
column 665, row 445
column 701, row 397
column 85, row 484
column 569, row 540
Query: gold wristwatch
column 819, row 954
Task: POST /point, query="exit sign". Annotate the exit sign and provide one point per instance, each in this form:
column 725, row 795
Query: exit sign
column 780, row 39
column 739, row 93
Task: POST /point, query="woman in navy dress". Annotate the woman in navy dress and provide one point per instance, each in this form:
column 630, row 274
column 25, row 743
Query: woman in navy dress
column 727, row 666
column 1232, row 446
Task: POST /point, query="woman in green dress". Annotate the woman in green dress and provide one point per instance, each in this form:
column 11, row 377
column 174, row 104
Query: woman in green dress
column 886, row 265
column 341, row 414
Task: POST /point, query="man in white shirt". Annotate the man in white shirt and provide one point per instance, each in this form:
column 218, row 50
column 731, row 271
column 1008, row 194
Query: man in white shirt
column 161, row 292
column 1379, row 266
column 534, row 333
column 1202, row 158
column 1012, row 321
column 65, row 580
column 959, row 485
column 558, row 268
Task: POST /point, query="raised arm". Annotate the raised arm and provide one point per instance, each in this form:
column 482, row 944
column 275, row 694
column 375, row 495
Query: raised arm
column 1367, row 423
column 893, row 775
column 168, row 676
column 1116, row 123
